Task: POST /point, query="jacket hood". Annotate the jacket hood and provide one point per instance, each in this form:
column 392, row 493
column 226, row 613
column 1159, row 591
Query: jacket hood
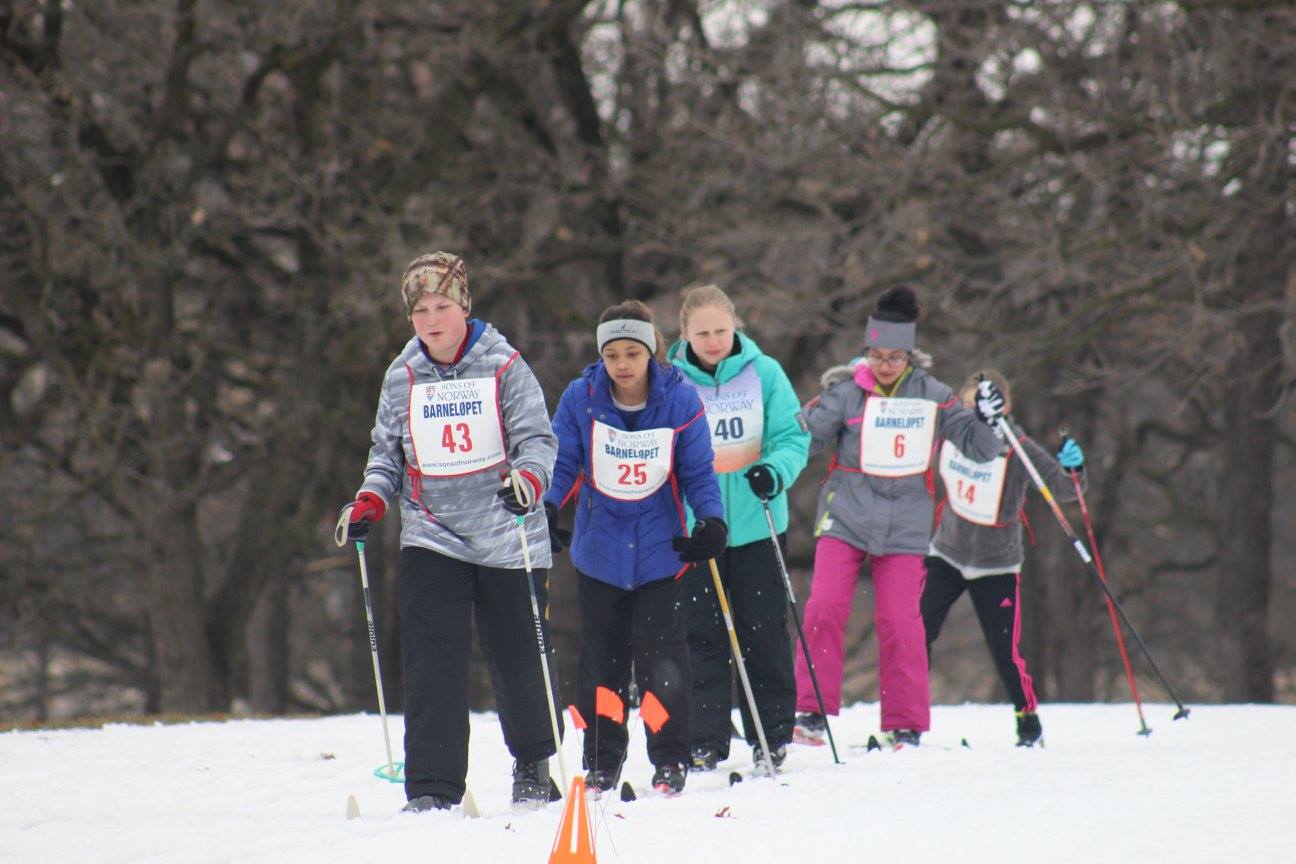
column 729, row 367
column 487, row 339
column 660, row 379
column 836, row 374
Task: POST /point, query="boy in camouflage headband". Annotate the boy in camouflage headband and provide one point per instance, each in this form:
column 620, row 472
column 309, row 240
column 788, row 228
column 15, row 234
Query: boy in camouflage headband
column 436, row 273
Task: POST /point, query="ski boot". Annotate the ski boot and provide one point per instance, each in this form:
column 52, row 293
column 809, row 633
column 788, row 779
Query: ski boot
column 810, row 729
column 778, row 755
column 1029, row 730
column 426, row 803
column 532, row 787
column 602, row 780
column 669, row 778
column 903, row 738
column 704, row 758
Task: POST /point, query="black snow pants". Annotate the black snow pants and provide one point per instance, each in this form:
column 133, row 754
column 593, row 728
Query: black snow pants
column 438, row 597
column 642, row 626
column 758, row 602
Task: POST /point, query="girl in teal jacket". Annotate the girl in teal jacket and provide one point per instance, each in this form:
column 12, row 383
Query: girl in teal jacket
column 759, row 451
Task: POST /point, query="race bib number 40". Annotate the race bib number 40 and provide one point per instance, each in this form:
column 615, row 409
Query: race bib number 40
column 735, row 415
column 456, row 426
column 630, row 466
column 896, row 436
column 975, row 489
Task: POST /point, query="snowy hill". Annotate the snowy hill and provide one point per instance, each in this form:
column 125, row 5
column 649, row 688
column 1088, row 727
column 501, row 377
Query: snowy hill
column 1215, row 787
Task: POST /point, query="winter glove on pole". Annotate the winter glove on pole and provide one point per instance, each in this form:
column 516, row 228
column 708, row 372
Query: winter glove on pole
column 365, row 510
column 521, row 489
column 1069, row 455
column 763, row 482
column 708, row 541
column 989, row 402
column 559, row 538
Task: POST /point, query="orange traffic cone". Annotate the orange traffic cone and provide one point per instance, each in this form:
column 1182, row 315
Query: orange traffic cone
column 575, row 841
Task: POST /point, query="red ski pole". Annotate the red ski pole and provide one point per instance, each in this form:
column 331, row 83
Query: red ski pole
column 1111, row 610
column 1083, row 552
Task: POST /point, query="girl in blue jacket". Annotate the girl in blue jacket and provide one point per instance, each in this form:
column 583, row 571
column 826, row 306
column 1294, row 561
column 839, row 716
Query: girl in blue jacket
column 633, row 446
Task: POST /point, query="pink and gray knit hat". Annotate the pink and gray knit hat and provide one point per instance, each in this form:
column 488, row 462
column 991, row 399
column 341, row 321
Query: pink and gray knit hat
column 893, row 325
column 436, row 273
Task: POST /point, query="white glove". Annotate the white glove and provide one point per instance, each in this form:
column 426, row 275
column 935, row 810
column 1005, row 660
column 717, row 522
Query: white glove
column 989, row 402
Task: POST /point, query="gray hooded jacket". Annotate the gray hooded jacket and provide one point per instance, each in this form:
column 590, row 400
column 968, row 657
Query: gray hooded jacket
column 467, row 521
column 884, row 515
column 979, row 550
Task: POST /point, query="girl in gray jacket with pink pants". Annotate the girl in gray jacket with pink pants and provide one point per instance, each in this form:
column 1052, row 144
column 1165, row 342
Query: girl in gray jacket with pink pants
column 886, row 419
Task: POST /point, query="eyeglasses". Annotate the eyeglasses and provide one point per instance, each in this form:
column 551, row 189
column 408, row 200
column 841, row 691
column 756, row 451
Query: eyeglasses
column 887, row 359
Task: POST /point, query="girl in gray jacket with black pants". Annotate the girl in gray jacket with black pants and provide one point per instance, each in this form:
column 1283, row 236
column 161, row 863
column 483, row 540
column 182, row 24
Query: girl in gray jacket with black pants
column 462, row 440
column 978, row 548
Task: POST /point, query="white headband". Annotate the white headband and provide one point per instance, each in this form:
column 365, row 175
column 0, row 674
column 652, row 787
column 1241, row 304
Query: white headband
column 627, row 328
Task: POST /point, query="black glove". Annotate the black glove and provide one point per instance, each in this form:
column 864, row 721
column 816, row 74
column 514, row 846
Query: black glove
column 559, row 538
column 762, row 480
column 708, row 541
column 365, row 510
column 508, row 495
column 989, row 402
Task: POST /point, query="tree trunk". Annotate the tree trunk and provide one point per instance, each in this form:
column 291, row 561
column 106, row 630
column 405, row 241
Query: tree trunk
column 267, row 651
column 1245, row 577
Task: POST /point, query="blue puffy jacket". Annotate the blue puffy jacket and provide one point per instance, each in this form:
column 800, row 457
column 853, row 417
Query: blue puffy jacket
column 628, row 543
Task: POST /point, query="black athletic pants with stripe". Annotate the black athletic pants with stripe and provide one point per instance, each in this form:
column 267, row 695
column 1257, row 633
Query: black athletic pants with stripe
column 438, row 597
column 997, row 600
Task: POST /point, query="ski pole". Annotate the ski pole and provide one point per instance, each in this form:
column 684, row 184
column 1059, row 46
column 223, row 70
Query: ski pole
column 742, row 667
column 1111, row 610
column 522, row 490
column 339, row 537
column 796, row 619
column 1079, row 546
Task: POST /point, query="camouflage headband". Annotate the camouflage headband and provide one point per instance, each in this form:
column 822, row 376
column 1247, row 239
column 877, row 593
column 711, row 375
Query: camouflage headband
column 436, row 273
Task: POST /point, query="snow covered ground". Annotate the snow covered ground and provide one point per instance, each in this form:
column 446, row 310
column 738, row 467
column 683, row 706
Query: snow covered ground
column 1216, row 787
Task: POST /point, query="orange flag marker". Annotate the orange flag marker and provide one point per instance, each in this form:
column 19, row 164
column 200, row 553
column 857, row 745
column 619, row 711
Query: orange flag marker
column 577, row 720
column 653, row 712
column 575, row 841
column 609, row 704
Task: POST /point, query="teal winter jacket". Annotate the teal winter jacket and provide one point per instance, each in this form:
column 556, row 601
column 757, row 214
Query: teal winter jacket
column 783, row 445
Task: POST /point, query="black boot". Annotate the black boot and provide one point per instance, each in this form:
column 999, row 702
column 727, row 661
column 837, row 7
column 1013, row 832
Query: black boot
column 669, row 778
column 904, row 737
column 1029, row 730
column 810, row 729
column 778, row 754
column 602, row 780
column 704, row 758
column 424, row 803
column 531, row 784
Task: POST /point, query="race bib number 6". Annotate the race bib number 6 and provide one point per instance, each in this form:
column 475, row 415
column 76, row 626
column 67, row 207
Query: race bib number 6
column 896, row 436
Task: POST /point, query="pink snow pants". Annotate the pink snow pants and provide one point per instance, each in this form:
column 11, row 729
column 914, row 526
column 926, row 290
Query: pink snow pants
column 902, row 641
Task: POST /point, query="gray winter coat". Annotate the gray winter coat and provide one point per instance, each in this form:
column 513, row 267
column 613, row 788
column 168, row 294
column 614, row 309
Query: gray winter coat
column 986, row 549
column 468, row 521
column 884, row 515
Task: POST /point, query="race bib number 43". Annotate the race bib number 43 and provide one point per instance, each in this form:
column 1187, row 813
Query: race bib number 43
column 456, row 426
column 630, row 466
column 896, row 436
